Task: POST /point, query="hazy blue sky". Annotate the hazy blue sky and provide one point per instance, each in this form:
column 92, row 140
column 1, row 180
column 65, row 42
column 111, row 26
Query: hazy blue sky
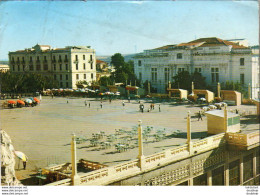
column 125, row 27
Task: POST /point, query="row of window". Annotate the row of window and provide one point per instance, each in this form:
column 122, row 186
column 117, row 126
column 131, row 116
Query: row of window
column 45, row 67
column 53, row 58
column 179, row 56
column 214, row 74
column 77, row 76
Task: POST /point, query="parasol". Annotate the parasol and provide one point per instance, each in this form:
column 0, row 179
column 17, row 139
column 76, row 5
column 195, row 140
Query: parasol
column 29, row 101
column 20, row 102
column 11, row 102
column 21, row 155
column 35, row 99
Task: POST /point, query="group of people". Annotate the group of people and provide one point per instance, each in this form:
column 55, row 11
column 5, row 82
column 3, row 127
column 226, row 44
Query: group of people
column 141, row 107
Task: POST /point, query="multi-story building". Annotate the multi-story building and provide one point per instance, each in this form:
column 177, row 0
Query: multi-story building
column 216, row 59
column 66, row 65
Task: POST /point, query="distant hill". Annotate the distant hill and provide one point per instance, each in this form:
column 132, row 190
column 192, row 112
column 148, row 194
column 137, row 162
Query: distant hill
column 107, row 59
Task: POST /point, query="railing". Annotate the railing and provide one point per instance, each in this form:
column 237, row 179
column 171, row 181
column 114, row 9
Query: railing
column 243, row 139
column 64, row 182
column 107, row 175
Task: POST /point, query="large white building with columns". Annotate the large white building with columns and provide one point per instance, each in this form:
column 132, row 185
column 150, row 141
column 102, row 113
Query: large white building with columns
column 216, row 59
column 66, row 65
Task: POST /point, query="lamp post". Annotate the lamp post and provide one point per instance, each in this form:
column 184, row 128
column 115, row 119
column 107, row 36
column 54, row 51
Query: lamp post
column 74, row 175
column 140, row 146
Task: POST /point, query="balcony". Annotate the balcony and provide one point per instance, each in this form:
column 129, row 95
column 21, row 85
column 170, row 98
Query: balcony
column 243, row 141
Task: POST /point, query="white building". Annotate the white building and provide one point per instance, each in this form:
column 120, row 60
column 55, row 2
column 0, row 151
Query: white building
column 216, row 59
column 67, row 65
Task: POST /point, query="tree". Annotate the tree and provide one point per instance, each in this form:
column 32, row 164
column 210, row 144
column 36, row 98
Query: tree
column 184, row 79
column 124, row 71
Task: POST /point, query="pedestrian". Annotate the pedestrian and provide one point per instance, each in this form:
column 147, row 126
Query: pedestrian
column 128, row 99
column 199, row 116
column 101, row 105
column 24, row 162
column 86, row 103
column 89, row 105
column 52, row 95
column 159, row 108
column 123, row 103
column 151, row 106
column 236, row 111
column 67, row 101
column 142, row 108
column 40, row 97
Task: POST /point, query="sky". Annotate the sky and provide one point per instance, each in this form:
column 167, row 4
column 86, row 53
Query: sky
column 123, row 26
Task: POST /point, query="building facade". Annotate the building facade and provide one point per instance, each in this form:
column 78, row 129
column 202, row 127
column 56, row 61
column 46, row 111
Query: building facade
column 216, row 59
column 67, row 65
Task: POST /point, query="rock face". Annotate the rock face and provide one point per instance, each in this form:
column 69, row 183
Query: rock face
column 7, row 161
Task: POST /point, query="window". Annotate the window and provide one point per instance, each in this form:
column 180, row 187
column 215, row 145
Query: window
column 77, row 66
column 18, row 68
column 242, row 61
column 139, row 62
column 83, row 57
column 67, row 77
column 38, row 58
column 242, row 78
column 30, row 58
column 67, row 84
column 66, row 66
column 38, row 66
column 13, row 68
column 154, row 74
column 76, row 57
column 18, row 60
column 61, row 84
column 90, row 57
column 45, row 66
column 23, row 67
column 140, row 76
column 248, row 167
column 234, row 176
column 179, row 55
column 23, row 59
column 91, row 65
column 85, row 76
column 55, row 77
column 197, row 69
column 30, row 67
column 45, row 59
column 54, row 66
column 60, row 67
column 61, row 77
column 181, row 69
column 77, row 76
column 166, row 75
column 92, row 76
column 214, row 75
column 84, row 66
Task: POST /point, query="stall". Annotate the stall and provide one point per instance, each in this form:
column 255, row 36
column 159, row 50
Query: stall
column 231, row 97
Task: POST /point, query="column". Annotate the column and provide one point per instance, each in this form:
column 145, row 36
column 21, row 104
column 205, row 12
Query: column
column 169, row 87
column 249, row 91
column 192, row 88
column 218, row 90
column 254, row 164
column 74, row 175
column 226, row 169
column 189, row 133
column 209, row 178
column 140, row 146
column 149, row 88
column 241, row 170
column 225, row 119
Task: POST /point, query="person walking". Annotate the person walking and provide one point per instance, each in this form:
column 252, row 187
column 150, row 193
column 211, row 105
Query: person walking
column 89, row 105
column 123, row 103
column 86, row 103
column 101, row 105
column 159, row 107
column 129, row 99
column 199, row 116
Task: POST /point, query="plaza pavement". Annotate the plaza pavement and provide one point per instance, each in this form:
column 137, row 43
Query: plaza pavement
column 44, row 132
